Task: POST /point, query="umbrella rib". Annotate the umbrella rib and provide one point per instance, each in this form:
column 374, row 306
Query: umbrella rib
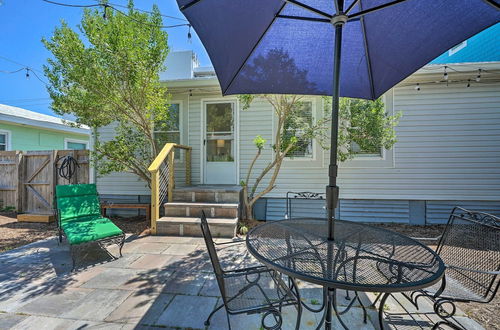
column 254, row 47
column 367, row 53
column 186, row 6
column 313, row 19
column 312, row 9
column 354, row 3
column 374, row 9
column 493, row 3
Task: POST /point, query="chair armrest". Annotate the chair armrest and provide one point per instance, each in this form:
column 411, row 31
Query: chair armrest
column 492, row 272
column 232, row 242
column 435, row 239
column 249, row 270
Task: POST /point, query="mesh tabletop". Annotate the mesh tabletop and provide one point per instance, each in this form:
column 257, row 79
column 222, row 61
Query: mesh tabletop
column 361, row 257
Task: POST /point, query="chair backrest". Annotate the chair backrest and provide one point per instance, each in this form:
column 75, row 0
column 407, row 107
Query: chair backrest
column 207, row 236
column 297, row 203
column 472, row 240
column 77, row 200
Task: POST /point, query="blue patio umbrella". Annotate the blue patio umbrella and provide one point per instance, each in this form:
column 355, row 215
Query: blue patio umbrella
column 351, row 48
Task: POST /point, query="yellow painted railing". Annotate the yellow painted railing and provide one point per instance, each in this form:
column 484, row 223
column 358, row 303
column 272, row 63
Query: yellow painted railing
column 162, row 178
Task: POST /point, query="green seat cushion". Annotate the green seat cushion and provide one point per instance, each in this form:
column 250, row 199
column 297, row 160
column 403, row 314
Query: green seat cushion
column 77, row 200
column 88, row 229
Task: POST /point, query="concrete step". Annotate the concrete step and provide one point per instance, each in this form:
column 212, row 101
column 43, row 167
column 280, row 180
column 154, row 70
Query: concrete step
column 208, row 194
column 190, row 226
column 212, row 210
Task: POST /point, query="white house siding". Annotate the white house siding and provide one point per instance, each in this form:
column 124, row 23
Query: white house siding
column 448, row 152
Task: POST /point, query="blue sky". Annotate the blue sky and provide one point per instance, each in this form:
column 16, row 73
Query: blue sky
column 23, row 23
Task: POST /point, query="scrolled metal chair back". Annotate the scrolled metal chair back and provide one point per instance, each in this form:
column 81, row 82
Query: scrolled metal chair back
column 298, row 197
column 207, row 236
column 471, row 245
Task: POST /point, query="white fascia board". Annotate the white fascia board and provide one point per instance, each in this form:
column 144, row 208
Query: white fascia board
column 43, row 124
column 192, row 83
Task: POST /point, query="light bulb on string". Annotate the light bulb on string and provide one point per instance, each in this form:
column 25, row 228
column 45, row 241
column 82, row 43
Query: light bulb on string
column 478, row 77
column 27, row 73
column 104, row 14
column 190, row 92
column 445, row 74
column 468, row 83
column 417, row 87
column 189, row 33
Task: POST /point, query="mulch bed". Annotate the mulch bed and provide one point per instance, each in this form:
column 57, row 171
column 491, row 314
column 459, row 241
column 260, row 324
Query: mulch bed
column 14, row 234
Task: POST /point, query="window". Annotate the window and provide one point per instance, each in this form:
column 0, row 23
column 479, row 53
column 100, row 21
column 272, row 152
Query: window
column 298, row 126
column 457, row 48
column 4, row 140
column 71, row 144
column 168, row 131
column 368, row 152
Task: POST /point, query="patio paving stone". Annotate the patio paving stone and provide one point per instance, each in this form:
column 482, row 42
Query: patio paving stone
column 97, row 305
column 163, row 281
column 180, row 249
column 140, row 308
column 110, row 278
column 187, row 312
column 139, row 247
column 150, row 261
column 8, row 321
column 185, row 283
column 54, row 304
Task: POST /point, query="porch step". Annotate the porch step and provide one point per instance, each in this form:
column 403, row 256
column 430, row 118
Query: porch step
column 208, row 194
column 212, row 210
column 190, row 226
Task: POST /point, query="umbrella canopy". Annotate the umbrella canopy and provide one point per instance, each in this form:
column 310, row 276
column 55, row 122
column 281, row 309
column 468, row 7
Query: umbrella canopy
column 257, row 45
column 351, row 48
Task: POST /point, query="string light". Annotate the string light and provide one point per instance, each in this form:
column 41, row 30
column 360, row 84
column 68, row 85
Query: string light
column 27, row 73
column 417, row 87
column 189, row 34
column 107, row 5
column 478, row 77
column 445, row 74
column 468, row 83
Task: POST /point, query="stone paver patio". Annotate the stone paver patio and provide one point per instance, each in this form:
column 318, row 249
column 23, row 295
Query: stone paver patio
column 160, row 281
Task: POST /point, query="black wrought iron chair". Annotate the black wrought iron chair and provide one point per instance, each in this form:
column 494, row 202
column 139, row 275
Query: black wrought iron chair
column 251, row 290
column 295, row 203
column 470, row 249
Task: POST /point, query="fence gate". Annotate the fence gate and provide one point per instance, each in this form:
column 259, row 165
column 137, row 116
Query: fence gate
column 9, row 179
column 37, row 182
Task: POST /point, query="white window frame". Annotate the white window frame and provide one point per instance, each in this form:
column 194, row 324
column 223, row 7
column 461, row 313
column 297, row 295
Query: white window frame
column 314, row 112
column 8, row 140
column 181, row 131
column 386, row 157
column 69, row 140
column 457, row 48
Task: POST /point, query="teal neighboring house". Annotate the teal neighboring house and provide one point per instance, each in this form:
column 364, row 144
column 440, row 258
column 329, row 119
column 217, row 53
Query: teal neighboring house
column 25, row 130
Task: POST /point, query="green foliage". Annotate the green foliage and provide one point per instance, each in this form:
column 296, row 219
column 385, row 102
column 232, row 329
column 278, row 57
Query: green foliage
column 107, row 71
column 259, row 142
column 362, row 123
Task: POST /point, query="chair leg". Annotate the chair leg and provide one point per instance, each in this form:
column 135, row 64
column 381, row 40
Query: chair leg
column 122, row 242
column 207, row 322
column 60, row 235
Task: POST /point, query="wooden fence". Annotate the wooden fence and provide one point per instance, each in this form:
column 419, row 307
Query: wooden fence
column 28, row 179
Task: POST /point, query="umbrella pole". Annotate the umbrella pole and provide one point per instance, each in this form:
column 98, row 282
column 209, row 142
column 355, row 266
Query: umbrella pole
column 332, row 190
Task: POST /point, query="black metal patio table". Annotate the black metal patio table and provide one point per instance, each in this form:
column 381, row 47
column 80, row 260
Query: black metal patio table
column 361, row 257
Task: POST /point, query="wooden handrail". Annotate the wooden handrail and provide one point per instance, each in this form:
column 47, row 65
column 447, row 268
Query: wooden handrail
column 168, row 151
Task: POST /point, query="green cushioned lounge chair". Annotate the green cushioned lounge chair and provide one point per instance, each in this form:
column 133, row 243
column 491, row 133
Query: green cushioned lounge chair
column 79, row 218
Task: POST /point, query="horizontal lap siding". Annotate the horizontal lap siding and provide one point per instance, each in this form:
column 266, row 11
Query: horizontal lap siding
column 439, row 211
column 448, row 148
column 118, row 183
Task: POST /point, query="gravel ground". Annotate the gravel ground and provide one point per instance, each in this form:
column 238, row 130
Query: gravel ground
column 14, row 234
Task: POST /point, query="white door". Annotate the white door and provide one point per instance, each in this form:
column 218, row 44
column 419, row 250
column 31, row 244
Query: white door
column 219, row 143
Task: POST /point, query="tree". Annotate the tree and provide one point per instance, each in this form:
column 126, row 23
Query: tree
column 108, row 71
column 363, row 124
